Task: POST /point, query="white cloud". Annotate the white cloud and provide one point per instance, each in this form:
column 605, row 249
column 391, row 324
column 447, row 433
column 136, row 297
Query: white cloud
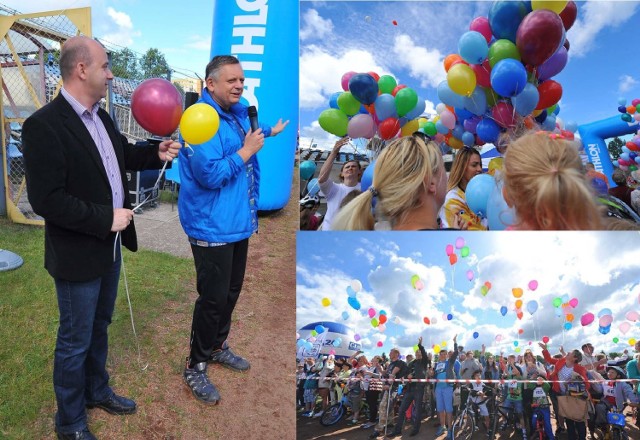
column 199, row 42
column 423, row 64
column 366, row 254
column 314, row 26
column 627, row 83
column 598, row 15
column 121, row 31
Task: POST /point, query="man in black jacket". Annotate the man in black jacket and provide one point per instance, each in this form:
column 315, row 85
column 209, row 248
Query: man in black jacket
column 75, row 162
column 414, row 391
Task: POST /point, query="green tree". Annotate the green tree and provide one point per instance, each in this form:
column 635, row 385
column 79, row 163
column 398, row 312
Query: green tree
column 154, row 65
column 615, row 147
column 124, row 64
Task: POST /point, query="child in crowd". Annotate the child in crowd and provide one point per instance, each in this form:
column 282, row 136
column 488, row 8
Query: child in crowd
column 513, row 373
column 540, row 403
column 479, row 392
column 616, row 393
column 545, row 183
column 354, row 393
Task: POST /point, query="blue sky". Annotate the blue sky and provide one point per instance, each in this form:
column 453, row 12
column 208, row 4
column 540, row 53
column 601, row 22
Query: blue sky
column 340, row 36
column 181, row 31
column 600, row 270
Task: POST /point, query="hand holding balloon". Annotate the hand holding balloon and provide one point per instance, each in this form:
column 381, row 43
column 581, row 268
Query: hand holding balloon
column 168, row 149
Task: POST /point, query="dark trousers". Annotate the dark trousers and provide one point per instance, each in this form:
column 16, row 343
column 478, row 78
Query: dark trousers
column 80, row 358
column 372, row 400
column 219, row 273
column 576, row 430
column 415, row 395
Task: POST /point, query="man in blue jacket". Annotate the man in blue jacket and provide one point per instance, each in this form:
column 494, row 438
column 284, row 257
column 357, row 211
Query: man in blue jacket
column 218, row 211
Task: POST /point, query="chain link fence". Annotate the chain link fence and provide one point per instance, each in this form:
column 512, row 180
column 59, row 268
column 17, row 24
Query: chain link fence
column 30, row 76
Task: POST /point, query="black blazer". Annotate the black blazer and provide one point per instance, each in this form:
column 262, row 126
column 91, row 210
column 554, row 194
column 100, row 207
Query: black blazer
column 68, row 186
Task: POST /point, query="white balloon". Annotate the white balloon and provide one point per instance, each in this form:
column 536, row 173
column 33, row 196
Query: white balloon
column 440, row 108
column 356, row 285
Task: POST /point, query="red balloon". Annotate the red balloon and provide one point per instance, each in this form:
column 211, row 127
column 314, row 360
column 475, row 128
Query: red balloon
column 156, row 105
column 389, row 128
column 483, row 73
column 545, row 339
column 504, row 115
column 374, row 75
column 398, row 87
column 540, row 35
column 569, row 14
column 550, row 93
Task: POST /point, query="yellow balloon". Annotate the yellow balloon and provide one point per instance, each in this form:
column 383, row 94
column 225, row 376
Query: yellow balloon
column 517, row 349
column 326, row 302
column 455, row 143
column 518, row 304
column 422, row 122
column 496, row 164
column 199, row 123
column 436, row 348
column 632, row 341
column 461, row 79
column 554, row 5
column 410, row 127
column 443, row 344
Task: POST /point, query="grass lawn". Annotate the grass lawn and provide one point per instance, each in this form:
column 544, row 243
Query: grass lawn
column 29, row 320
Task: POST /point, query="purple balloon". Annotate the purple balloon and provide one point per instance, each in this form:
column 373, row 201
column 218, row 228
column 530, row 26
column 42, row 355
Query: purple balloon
column 540, row 35
column 471, row 124
column 553, row 65
column 361, row 126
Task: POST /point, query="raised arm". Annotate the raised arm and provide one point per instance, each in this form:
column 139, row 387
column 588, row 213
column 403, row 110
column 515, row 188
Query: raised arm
column 325, row 171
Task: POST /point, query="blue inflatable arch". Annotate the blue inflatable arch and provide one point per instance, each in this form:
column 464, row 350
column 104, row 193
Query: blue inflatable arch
column 593, row 138
column 263, row 35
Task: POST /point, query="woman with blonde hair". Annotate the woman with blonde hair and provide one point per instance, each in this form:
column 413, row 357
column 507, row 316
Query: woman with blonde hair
column 545, row 183
column 466, row 165
column 409, row 184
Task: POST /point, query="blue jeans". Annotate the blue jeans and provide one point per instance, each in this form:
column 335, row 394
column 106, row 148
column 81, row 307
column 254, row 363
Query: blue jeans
column 546, row 417
column 79, row 366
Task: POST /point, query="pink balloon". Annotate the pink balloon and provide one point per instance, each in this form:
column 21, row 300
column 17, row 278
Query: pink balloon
column 379, row 344
column 498, row 338
column 533, row 285
column 372, row 312
column 481, row 24
column 605, row 320
column 448, row 119
column 504, row 115
column 573, row 302
column 356, row 337
column 624, row 327
column 459, row 243
column 156, row 105
column 449, row 249
column 586, row 319
column 419, row 285
column 632, row 316
column 470, row 275
column 345, row 79
column 332, row 351
column 361, row 126
column 382, row 328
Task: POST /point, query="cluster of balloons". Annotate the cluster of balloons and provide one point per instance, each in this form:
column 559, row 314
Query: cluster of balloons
column 371, row 105
column 485, row 288
column 352, row 291
column 380, row 321
column 630, row 157
column 563, row 306
column 605, row 318
column 502, row 74
column 459, row 245
column 156, row 105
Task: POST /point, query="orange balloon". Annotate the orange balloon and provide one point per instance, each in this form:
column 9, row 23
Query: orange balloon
column 518, row 304
column 488, row 284
column 453, row 259
column 370, row 108
column 455, row 143
column 382, row 319
column 570, row 317
column 451, row 109
column 517, row 292
column 631, row 109
column 520, row 331
column 450, row 59
column 528, row 122
column 519, row 315
column 426, row 320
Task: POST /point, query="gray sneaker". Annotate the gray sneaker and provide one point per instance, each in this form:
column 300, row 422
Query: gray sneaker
column 229, row 359
column 200, row 385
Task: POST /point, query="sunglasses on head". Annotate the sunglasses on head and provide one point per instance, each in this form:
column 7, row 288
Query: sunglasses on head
column 418, row 134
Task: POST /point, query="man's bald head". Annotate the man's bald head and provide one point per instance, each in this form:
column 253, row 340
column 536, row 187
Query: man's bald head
column 76, row 50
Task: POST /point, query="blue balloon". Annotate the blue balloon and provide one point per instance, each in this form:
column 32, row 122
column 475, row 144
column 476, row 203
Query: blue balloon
column 503, row 310
column 622, row 101
column 307, row 169
column 625, row 149
column 508, row 77
column 571, row 126
column 364, row 88
column 557, row 109
column 505, row 17
column 604, row 330
column 448, row 96
column 549, row 124
column 462, row 113
column 363, row 110
column 476, row 103
column 604, row 312
column 333, row 100
column 567, row 326
column 440, row 128
column 313, row 187
column 477, row 193
column 367, row 177
column 526, row 101
column 353, row 302
column 320, row 329
column 350, row 292
column 468, row 139
column 449, row 317
column 457, row 131
column 386, row 107
column 472, row 47
column 475, row 335
column 499, row 215
column 625, row 156
column 557, row 311
column 600, row 186
column 532, row 306
column 488, row 130
column 337, row 342
column 300, row 343
column 345, row 315
column 417, row 110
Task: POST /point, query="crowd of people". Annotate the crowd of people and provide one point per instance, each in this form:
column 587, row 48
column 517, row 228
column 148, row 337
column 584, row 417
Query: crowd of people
column 526, row 386
column 544, row 181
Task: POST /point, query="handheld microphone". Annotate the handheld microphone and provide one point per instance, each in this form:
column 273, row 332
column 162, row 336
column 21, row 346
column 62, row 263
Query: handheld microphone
column 253, row 117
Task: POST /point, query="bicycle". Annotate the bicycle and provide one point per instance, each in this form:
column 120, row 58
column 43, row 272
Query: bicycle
column 615, row 428
column 495, row 415
column 537, row 419
column 467, row 422
column 335, row 412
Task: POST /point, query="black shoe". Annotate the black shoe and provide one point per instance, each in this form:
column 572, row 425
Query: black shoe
column 413, row 433
column 196, row 378
column 115, row 404
column 374, row 434
column 85, row 434
column 229, row 359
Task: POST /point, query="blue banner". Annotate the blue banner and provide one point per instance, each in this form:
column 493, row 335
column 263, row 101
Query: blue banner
column 263, row 35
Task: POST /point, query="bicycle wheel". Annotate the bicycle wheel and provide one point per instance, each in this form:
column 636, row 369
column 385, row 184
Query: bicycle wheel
column 463, row 427
column 598, row 434
column 332, row 415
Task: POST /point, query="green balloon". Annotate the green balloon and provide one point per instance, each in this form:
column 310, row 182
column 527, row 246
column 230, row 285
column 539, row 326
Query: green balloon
column 374, row 322
column 557, row 302
column 430, row 128
column 415, row 348
column 406, row 100
column 464, row 252
column 638, row 108
column 616, row 340
column 348, row 104
column 501, row 49
column 314, row 333
column 386, row 84
column 334, row 121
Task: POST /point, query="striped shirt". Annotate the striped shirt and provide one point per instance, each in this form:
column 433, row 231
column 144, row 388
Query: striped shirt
column 100, row 137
